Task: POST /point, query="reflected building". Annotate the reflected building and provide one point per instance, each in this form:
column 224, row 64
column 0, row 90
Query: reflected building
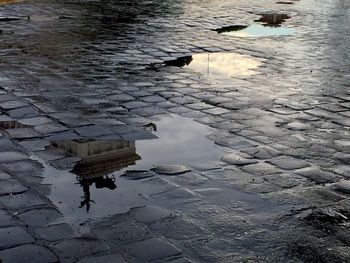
column 272, row 20
column 99, row 158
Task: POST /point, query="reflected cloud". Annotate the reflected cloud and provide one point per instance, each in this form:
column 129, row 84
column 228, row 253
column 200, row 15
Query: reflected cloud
column 223, row 65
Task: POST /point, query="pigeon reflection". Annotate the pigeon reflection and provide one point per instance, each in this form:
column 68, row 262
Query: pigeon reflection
column 99, row 159
column 100, row 182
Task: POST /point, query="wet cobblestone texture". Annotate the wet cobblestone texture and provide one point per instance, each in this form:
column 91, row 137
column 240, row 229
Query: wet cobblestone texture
column 108, row 71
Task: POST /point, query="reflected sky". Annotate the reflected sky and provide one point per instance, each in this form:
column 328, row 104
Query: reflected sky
column 258, row 30
column 223, row 65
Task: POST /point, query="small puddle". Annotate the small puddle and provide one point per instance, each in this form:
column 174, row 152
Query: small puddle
column 267, row 25
column 219, row 65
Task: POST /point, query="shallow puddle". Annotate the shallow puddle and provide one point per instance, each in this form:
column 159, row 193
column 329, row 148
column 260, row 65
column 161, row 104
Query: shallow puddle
column 94, row 188
column 268, row 25
column 219, row 65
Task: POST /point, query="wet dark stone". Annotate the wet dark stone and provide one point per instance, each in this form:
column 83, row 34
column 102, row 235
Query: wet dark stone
column 25, row 133
column 151, row 249
column 179, row 62
column 261, row 168
column 179, row 229
column 120, row 233
column 171, row 169
column 137, row 174
column 21, row 201
column 236, row 159
column 342, row 186
column 27, row 253
column 11, row 187
column 40, row 216
column 230, row 28
column 151, row 214
column 289, row 163
column 111, row 258
column 72, row 249
column 8, row 105
column 317, row 175
column 6, row 220
column 55, row 232
column 11, row 156
column 14, row 236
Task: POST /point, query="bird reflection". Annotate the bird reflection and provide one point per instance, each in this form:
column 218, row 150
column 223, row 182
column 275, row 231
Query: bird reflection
column 100, row 182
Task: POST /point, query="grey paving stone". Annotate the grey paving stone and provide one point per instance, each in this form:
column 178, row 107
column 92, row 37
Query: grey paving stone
column 151, row 249
column 14, row 236
column 27, row 254
column 73, row 249
column 6, row 220
column 55, row 232
column 171, row 169
column 40, row 216
column 12, row 156
column 112, row 258
column 137, row 174
column 22, row 113
column 11, row 187
column 289, row 163
column 8, row 105
column 261, row 168
column 180, row 229
column 121, row 233
column 343, row 170
column 317, row 175
column 20, row 201
column 6, row 145
column 236, row 159
column 49, row 128
column 24, row 133
column 151, row 214
column 4, row 175
column 35, row 121
column 342, row 186
column 262, row 152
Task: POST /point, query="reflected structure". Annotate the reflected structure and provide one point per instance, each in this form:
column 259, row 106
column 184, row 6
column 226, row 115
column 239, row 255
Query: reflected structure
column 272, row 20
column 99, row 158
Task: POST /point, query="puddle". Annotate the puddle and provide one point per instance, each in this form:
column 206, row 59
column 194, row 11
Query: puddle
column 219, row 65
column 94, row 188
column 268, row 25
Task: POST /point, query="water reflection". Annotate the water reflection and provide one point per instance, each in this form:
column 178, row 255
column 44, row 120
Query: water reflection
column 223, row 65
column 272, row 20
column 99, row 158
column 10, row 124
column 98, row 187
column 268, row 25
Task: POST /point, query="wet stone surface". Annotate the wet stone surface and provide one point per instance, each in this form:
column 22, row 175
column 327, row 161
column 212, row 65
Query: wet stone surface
column 247, row 102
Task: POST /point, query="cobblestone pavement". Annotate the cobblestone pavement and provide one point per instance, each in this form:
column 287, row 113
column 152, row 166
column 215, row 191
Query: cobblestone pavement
column 94, row 71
